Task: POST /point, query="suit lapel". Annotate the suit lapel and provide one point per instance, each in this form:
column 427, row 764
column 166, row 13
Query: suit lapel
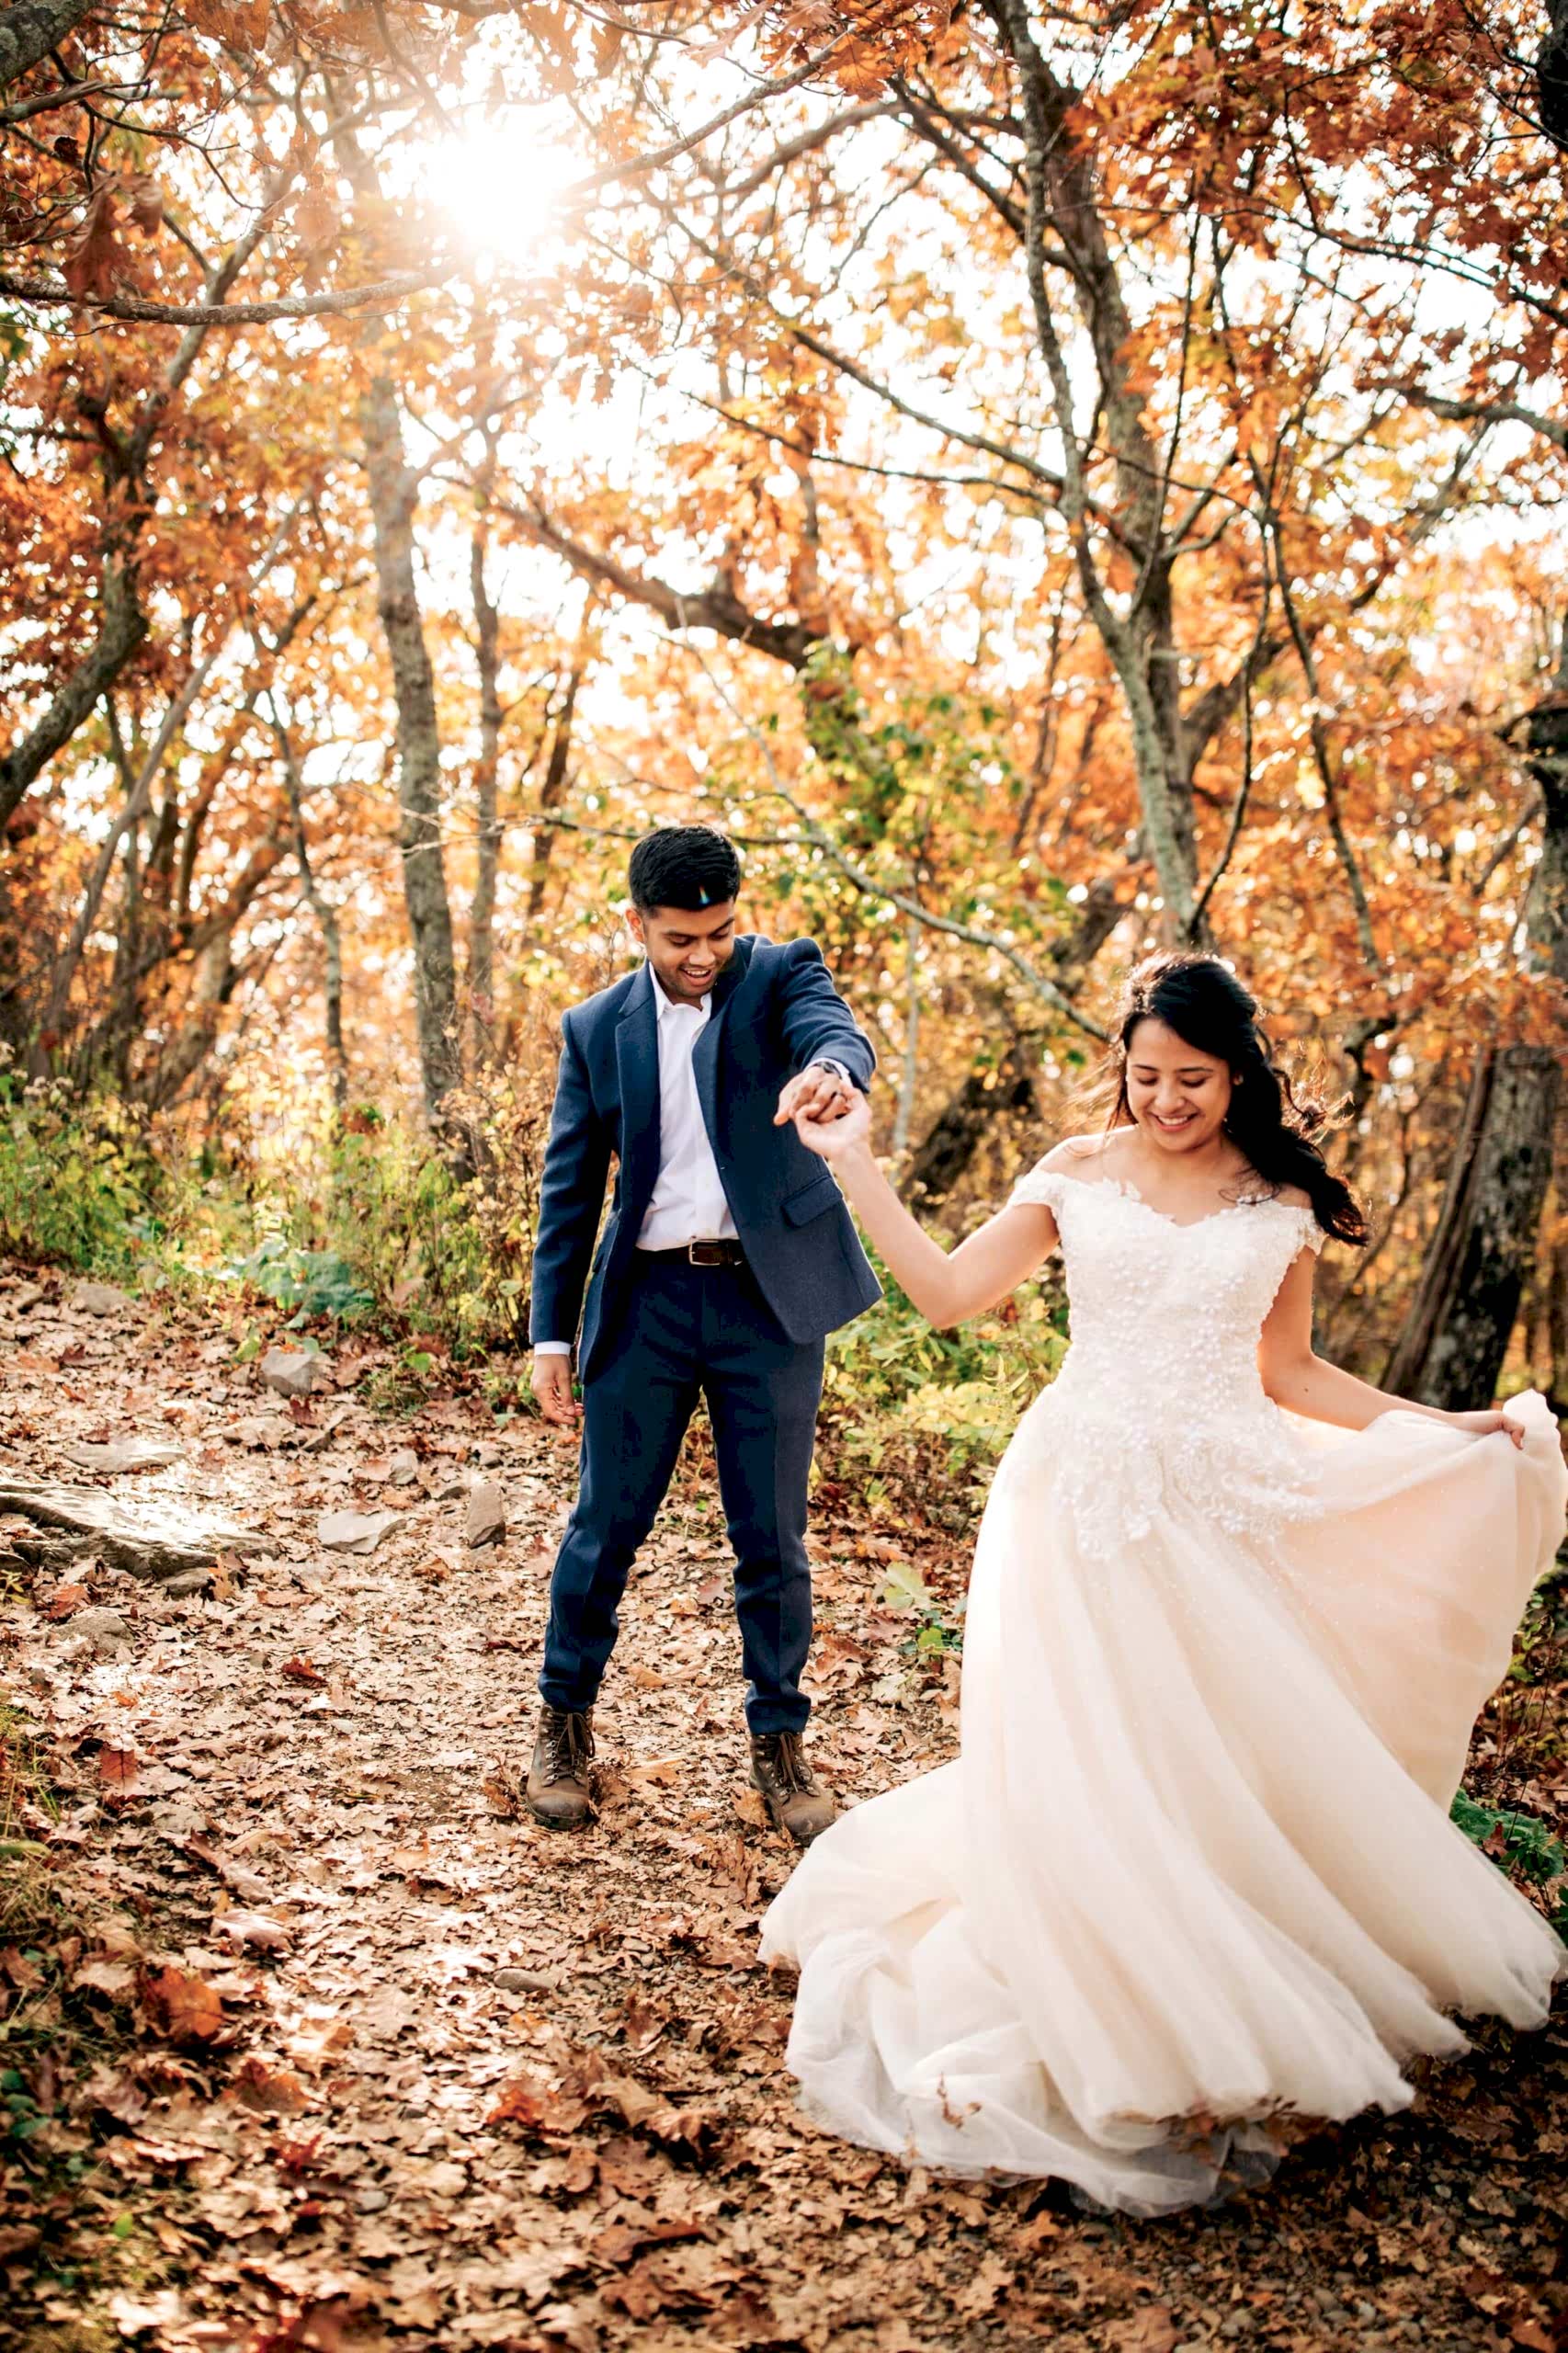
column 636, row 1064
column 705, row 1059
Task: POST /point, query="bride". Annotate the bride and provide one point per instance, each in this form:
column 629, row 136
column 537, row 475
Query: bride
column 1233, row 1614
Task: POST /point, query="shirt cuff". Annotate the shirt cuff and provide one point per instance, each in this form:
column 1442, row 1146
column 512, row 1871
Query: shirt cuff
column 826, row 1062
column 552, row 1347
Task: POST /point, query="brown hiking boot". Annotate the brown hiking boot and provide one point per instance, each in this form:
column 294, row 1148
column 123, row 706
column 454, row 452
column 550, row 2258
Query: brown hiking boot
column 791, row 1790
column 558, row 1794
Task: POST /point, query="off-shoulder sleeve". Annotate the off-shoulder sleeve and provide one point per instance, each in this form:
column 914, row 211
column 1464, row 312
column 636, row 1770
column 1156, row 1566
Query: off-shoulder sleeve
column 1039, row 1186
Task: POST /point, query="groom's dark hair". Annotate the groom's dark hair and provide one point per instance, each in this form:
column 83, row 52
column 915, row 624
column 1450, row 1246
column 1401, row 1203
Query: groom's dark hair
column 684, row 865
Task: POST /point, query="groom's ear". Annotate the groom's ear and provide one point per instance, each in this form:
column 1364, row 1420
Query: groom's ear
column 634, row 924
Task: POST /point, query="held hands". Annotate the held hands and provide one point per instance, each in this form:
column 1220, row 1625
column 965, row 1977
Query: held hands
column 552, row 1387
column 812, row 1095
column 831, row 1139
column 1485, row 1422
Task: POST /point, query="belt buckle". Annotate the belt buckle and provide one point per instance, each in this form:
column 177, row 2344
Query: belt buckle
column 705, row 1253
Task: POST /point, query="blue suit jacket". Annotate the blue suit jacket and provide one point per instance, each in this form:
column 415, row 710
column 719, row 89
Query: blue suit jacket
column 775, row 1009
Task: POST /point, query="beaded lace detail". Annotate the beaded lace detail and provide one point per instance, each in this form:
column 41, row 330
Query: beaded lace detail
column 1159, row 1403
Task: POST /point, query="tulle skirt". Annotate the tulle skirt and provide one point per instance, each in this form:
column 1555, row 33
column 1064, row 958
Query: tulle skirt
column 1193, row 1872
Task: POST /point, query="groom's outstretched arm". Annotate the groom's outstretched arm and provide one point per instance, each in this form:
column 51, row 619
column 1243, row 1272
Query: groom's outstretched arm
column 571, row 1195
column 818, row 1025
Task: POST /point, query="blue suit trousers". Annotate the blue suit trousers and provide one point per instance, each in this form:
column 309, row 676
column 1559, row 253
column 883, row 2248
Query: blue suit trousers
column 688, row 1331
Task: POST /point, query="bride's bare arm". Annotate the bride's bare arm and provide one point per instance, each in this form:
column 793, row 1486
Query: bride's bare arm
column 1302, row 1381
column 945, row 1286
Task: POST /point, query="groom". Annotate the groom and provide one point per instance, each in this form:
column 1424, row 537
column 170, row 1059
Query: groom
column 727, row 1257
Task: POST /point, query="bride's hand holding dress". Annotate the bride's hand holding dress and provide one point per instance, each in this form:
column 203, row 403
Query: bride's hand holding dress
column 1232, row 1617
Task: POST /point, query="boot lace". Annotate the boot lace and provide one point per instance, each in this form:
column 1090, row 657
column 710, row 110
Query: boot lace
column 568, row 1745
column 790, row 1767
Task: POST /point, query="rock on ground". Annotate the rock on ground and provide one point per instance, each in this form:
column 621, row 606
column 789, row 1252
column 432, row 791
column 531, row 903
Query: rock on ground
column 100, row 1299
column 355, row 1531
column 124, row 1454
column 487, row 1512
column 151, row 1539
column 292, row 1373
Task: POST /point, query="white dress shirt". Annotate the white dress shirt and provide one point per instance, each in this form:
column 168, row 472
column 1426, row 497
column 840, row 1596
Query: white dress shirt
column 689, row 1201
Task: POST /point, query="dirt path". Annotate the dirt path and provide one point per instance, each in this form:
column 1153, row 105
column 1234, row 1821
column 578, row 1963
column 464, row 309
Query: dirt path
column 347, row 2053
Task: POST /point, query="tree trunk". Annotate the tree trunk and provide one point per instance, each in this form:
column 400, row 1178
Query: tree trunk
column 326, row 917
column 1456, row 1336
column 909, row 1075
column 213, row 975
column 1064, row 217
column 393, row 492
column 552, row 791
column 481, row 915
column 121, row 628
column 1557, row 1325
column 30, row 28
column 1546, row 740
column 943, row 1154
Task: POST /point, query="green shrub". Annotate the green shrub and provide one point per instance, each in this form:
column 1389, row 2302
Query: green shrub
column 1521, row 1845
column 311, row 1282
column 438, row 1235
column 80, row 1182
column 919, row 1418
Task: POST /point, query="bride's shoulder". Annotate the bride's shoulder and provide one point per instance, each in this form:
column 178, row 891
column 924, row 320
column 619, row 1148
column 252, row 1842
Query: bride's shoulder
column 1077, row 1156
column 1070, row 1163
column 1291, row 1197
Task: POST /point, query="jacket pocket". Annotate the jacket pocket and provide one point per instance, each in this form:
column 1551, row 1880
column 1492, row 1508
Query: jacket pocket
column 799, row 1208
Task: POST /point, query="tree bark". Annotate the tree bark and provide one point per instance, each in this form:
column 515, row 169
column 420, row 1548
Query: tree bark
column 482, row 914
column 394, row 488
column 136, row 801
column 326, row 918
column 1546, row 740
column 909, row 1072
column 949, row 1144
column 1065, row 224
column 121, row 628
column 214, row 976
column 553, row 787
column 30, row 28
column 1457, row 1333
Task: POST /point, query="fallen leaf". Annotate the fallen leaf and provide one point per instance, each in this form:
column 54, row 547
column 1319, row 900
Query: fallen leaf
column 538, row 2107
column 117, row 1767
column 251, row 1928
column 269, row 2091
column 104, row 1975
column 182, row 2005
column 1150, row 2331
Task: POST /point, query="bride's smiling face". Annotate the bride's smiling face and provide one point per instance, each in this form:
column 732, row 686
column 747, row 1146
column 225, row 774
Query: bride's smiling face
column 1177, row 1096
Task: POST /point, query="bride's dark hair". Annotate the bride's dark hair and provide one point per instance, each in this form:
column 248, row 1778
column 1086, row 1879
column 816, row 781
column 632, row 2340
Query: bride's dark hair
column 1203, row 1002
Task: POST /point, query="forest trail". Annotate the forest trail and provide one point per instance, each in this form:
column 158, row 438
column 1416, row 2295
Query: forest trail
column 353, row 2055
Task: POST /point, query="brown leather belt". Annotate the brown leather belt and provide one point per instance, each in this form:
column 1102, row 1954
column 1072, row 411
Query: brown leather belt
column 703, row 1254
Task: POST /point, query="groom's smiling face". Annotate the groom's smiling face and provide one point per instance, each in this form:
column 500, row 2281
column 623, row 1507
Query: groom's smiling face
column 688, row 946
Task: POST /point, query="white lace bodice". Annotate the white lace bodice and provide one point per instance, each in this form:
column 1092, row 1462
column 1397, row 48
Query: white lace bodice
column 1160, row 1390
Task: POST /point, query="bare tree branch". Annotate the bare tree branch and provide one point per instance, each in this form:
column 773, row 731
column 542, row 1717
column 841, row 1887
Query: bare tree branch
column 1495, row 412
column 716, row 608
column 803, row 144
column 141, row 791
column 384, row 295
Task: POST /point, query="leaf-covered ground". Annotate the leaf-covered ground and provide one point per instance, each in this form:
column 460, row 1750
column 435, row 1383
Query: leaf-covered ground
column 315, row 2039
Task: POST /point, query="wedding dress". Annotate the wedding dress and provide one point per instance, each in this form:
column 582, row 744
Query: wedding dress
column 1193, row 1869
